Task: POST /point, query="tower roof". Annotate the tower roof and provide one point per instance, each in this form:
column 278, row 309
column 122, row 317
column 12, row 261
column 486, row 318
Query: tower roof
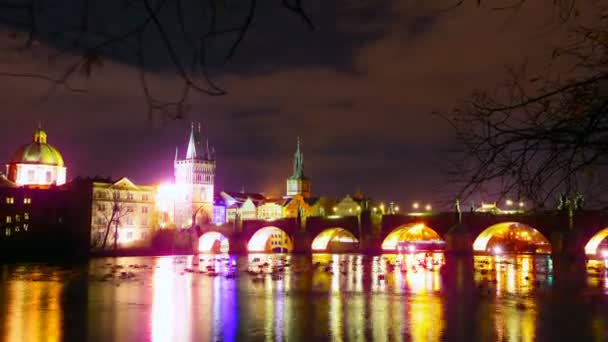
column 195, row 147
column 37, row 152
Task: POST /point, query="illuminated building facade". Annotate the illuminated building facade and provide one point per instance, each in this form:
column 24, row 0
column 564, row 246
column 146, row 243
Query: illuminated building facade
column 194, row 177
column 124, row 208
column 37, row 164
column 298, row 184
column 347, row 207
column 271, row 210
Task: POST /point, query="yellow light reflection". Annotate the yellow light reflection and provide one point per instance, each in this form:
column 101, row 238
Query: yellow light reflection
column 512, row 237
column 34, row 311
column 593, row 244
column 426, row 318
column 416, row 232
column 338, row 238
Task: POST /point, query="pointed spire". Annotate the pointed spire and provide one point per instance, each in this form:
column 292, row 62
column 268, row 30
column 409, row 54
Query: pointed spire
column 298, row 162
column 176, row 154
column 192, row 152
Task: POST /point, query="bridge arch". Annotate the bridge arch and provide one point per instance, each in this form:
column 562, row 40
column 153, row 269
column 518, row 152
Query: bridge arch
column 416, row 235
column 270, row 239
column 512, row 237
column 335, row 240
column 594, row 245
column 213, row 242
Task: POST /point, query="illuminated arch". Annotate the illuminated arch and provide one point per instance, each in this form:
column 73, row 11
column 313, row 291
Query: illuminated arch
column 414, row 232
column 213, row 242
column 591, row 248
column 510, row 232
column 269, row 239
column 332, row 236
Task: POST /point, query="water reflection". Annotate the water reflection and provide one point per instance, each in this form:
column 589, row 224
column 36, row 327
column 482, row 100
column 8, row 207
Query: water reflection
column 513, row 274
column 34, row 308
column 276, row 297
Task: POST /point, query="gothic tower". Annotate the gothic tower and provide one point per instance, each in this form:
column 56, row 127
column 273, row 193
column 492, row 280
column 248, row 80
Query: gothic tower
column 194, row 177
column 298, row 184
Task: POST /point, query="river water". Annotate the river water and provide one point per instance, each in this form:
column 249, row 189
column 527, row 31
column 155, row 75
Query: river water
column 347, row 297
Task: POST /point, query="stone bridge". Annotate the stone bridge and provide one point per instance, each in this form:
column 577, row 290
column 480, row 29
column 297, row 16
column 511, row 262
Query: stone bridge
column 563, row 234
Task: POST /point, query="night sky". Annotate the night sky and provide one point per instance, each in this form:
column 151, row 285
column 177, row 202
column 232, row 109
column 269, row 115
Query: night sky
column 358, row 90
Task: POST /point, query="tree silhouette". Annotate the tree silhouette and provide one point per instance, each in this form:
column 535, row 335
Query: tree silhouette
column 86, row 33
column 538, row 135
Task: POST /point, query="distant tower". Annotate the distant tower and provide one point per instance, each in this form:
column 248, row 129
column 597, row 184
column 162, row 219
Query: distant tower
column 194, row 177
column 298, row 184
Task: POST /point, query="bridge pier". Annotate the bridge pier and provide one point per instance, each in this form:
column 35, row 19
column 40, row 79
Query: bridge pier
column 459, row 240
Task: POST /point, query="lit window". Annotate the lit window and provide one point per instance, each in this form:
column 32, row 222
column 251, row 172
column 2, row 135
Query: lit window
column 9, row 219
column 49, row 176
column 25, row 226
column 26, row 216
column 129, row 220
column 10, row 200
column 129, row 196
column 30, row 175
column 17, row 218
column 16, row 229
column 7, row 232
column 27, row 200
column 144, row 210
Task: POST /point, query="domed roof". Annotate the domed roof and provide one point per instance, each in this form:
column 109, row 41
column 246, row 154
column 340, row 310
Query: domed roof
column 37, row 152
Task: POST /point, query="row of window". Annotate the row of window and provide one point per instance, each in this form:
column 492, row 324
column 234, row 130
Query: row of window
column 277, row 243
column 128, row 209
column 128, row 235
column 26, row 217
column 116, row 195
column 9, row 231
column 11, row 200
column 101, row 221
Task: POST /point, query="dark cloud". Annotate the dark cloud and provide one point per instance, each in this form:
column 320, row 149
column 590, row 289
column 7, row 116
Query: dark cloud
column 358, row 90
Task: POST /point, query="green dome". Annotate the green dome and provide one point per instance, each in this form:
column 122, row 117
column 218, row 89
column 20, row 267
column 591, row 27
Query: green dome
column 38, row 152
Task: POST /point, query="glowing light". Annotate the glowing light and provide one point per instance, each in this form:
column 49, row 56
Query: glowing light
column 411, row 248
column 427, row 207
column 210, row 241
column 511, row 230
column 497, row 250
column 397, row 208
column 416, row 232
column 323, row 240
column 335, row 209
column 509, row 202
column 593, row 244
column 605, row 253
column 415, row 205
column 268, row 238
column 521, row 204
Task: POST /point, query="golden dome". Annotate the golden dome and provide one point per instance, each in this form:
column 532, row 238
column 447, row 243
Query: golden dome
column 37, row 152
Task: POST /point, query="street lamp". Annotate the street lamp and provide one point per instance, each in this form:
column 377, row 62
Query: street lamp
column 415, row 205
column 428, row 207
column 509, row 202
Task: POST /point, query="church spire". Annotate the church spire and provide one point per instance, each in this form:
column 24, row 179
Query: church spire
column 298, row 162
column 193, row 144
